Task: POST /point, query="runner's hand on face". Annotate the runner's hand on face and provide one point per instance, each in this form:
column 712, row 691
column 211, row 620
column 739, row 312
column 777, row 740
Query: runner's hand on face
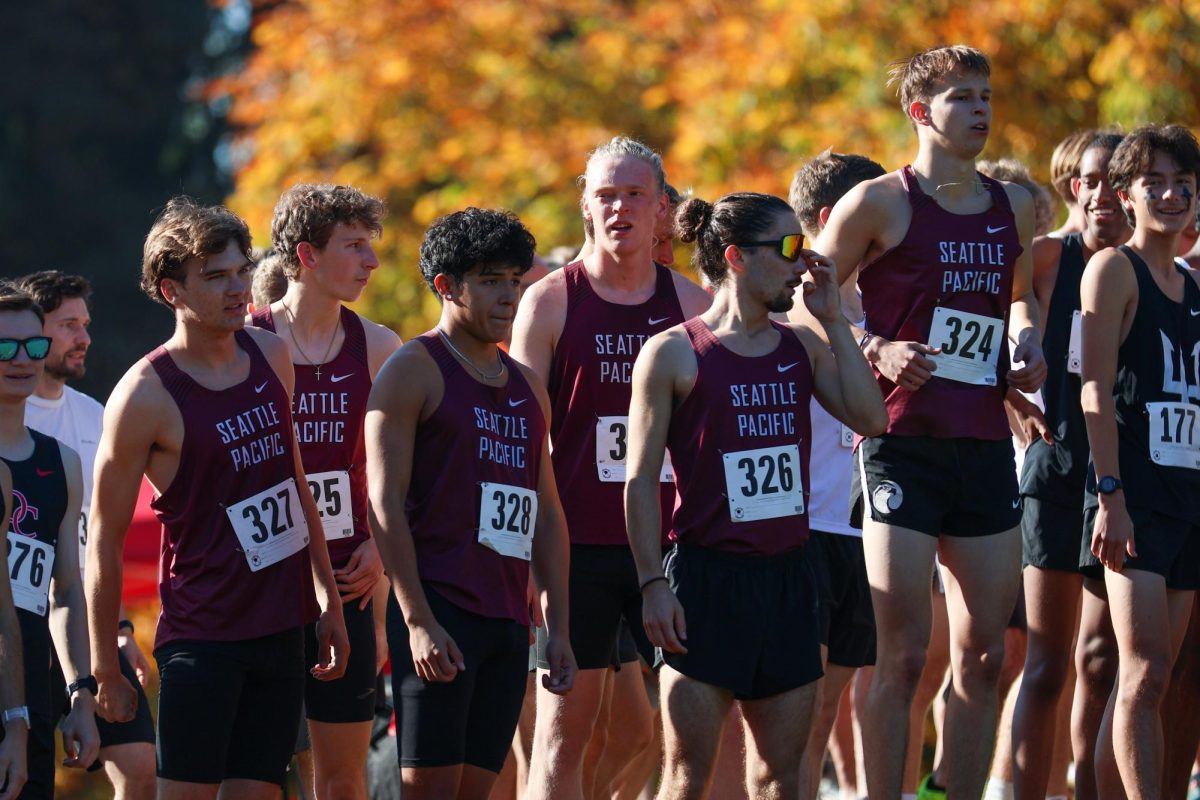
column 133, row 654
column 357, row 579
column 81, row 740
column 14, row 769
column 1112, row 539
column 116, row 699
column 662, row 616
column 331, row 634
column 906, row 364
column 821, row 295
column 435, row 655
column 1030, row 377
column 561, row 659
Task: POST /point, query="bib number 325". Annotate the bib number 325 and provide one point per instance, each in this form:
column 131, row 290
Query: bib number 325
column 970, row 346
column 270, row 525
column 506, row 519
column 331, row 490
column 764, row 483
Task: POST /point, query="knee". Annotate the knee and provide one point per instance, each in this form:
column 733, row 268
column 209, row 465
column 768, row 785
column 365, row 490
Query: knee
column 774, row 780
column 981, row 665
column 900, row 671
column 345, row 783
column 1096, row 660
column 1045, row 677
column 1144, row 680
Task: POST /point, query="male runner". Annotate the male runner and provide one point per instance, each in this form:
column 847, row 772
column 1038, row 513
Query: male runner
column 834, row 544
column 14, row 714
column 1064, row 170
column 1052, row 480
column 580, row 330
column 76, row 420
column 323, row 236
column 42, row 555
column 942, row 253
column 463, row 500
column 1141, row 401
column 206, row 417
column 727, row 393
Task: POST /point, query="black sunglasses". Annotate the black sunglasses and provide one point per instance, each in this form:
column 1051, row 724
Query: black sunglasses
column 36, row 347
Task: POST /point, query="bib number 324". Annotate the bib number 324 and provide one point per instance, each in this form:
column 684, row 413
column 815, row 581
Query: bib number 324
column 270, row 525
column 506, row 519
column 764, row 483
column 970, row 346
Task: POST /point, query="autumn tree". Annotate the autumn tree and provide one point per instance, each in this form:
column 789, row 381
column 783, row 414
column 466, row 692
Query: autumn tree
column 437, row 105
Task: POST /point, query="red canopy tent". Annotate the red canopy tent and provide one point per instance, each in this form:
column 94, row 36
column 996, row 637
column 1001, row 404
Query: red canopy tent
column 142, row 547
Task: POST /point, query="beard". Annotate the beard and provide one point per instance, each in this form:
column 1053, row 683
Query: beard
column 58, row 368
column 781, row 303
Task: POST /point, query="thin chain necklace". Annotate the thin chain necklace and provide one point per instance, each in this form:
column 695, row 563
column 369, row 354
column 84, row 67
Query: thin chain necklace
column 471, row 363
column 292, row 332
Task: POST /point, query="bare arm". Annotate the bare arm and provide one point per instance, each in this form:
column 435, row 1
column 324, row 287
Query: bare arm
column 1024, row 318
column 539, row 322
column 1108, row 298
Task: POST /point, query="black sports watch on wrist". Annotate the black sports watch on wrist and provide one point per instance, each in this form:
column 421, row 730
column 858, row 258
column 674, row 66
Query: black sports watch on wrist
column 86, row 682
column 1108, row 484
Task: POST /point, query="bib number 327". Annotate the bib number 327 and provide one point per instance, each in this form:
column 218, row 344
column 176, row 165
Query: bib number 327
column 506, row 519
column 270, row 525
column 612, row 448
column 970, row 346
column 764, row 483
column 30, row 564
column 1174, row 434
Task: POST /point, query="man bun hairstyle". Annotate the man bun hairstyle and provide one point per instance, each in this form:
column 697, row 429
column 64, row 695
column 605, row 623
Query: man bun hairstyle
column 735, row 218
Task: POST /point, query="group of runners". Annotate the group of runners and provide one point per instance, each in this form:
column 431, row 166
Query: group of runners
column 677, row 507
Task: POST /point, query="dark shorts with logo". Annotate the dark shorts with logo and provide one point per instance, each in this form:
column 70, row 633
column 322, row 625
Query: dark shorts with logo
column 952, row 487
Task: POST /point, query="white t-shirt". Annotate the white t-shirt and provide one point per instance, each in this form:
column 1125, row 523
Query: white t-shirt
column 76, row 420
column 831, row 475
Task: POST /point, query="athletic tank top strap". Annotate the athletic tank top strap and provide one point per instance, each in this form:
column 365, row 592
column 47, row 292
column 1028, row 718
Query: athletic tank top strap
column 918, row 198
column 703, row 340
column 355, row 343
column 264, row 318
column 447, row 362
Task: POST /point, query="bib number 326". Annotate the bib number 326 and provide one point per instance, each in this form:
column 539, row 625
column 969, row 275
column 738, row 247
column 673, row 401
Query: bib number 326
column 30, row 564
column 1174, row 434
column 970, row 344
column 270, row 525
column 612, row 448
column 506, row 519
column 764, row 483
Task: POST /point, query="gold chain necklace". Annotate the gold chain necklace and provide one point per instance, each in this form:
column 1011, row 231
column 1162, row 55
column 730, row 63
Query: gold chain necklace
column 471, row 363
column 292, row 332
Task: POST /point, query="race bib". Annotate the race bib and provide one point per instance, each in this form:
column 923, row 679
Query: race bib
column 764, row 483
column 506, row 519
column 612, row 434
column 1174, row 435
column 331, row 490
column 1075, row 344
column 30, row 565
column 270, row 525
column 847, row 435
column 970, row 346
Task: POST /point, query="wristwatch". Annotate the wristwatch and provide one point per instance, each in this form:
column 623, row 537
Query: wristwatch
column 20, row 712
column 86, row 682
column 1108, row 484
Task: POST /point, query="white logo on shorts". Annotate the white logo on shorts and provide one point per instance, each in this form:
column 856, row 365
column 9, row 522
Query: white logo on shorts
column 887, row 497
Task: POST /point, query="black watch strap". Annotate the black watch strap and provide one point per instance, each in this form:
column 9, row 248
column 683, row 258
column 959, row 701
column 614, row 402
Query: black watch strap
column 86, row 682
column 1108, row 484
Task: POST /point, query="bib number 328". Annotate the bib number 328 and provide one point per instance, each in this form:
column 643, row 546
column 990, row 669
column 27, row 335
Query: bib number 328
column 612, row 448
column 506, row 519
column 764, row 483
column 1174, row 434
column 970, row 344
column 270, row 525
column 30, row 564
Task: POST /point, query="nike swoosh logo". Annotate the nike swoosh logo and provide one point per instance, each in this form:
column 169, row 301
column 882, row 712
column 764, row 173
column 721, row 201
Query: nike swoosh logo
column 1017, row 503
column 785, row 367
column 337, row 378
column 515, row 403
column 1195, row 313
column 44, row 472
column 659, row 320
column 990, row 229
column 258, row 389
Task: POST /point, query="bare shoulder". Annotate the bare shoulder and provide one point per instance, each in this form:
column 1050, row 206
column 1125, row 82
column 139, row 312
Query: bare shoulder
column 1018, row 196
column 382, row 341
column 671, row 347
column 1047, row 250
column 271, row 345
column 140, row 393
column 693, row 299
column 409, row 365
column 547, row 294
column 1110, row 274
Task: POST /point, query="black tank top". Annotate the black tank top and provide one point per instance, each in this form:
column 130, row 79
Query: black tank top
column 39, row 503
column 1158, row 363
column 1057, row 471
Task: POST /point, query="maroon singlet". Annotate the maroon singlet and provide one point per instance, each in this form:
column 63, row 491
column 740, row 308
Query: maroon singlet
column 741, row 405
column 590, row 378
column 328, row 416
column 237, row 442
column 478, row 434
column 958, row 261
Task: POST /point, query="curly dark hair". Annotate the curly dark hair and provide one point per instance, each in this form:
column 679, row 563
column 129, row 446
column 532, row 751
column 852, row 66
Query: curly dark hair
column 51, row 287
column 308, row 212
column 183, row 231
column 734, row 218
column 821, row 183
column 1135, row 154
column 475, row 237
